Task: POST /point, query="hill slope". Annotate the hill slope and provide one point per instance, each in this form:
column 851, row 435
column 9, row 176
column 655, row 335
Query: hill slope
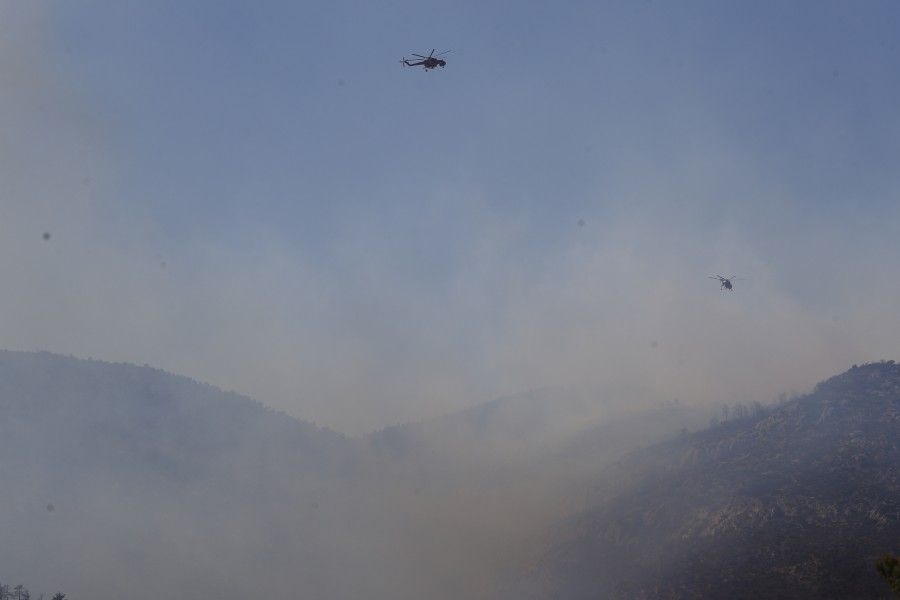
column 796, row 503
column 124, row 481
column 477, row 487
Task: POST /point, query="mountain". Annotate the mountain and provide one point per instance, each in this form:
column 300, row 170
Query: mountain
column 528, row 429
column 795, row 502
column 123, row 481
column 479, row 485
column 496, row 433
column 126, row 481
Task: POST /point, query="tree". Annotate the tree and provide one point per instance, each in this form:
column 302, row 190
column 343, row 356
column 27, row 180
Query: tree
column 758, row 409
column 889, row 567
column 59, row 596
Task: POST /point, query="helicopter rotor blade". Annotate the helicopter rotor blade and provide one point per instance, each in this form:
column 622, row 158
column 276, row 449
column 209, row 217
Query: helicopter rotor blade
column 432, row 52
column 443, row 53
column 420, row 56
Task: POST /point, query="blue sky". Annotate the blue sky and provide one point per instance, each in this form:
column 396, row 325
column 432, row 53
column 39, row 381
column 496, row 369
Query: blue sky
column 360, row 243
column 296, row 117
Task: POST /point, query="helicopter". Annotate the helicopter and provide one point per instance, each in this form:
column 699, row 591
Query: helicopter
column 428, row 62
column 725, row 281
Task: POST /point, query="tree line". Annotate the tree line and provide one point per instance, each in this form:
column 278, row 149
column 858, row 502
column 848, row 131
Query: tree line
column 20, row 592
column 740, row 411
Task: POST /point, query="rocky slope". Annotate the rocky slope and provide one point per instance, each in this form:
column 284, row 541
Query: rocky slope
column 794, row 503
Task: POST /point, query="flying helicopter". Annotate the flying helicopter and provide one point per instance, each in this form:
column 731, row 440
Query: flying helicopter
column 427, row 62
column 725, row 281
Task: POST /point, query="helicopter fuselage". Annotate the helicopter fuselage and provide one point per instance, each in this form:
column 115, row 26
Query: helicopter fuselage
column 428, row 63
column 724, row 282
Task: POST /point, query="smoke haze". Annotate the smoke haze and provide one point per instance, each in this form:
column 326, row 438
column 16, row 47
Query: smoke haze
column 439, row 273
column 258, row 196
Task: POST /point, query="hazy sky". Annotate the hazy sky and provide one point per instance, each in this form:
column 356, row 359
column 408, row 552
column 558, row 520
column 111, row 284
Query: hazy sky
column 258, row 195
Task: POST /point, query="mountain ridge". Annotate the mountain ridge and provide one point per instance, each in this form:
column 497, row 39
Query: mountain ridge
column 795, row 503
column 151, row 472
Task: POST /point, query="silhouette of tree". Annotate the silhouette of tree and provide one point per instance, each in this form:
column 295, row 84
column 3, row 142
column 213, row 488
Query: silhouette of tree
column 758, row 409
column 20, row 592
column 889, row 567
